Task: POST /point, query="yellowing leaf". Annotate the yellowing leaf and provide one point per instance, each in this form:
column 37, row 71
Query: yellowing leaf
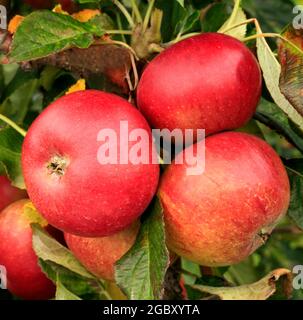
column 238, row 16
column 291, row 59
column 79, row 86
column 114, row 291
column 31, row 214
column 85, row 15
column 238, row 32
column 49, row 249
column 271, row 73
column 14, row 23
column 58, row 9
column 260, row 290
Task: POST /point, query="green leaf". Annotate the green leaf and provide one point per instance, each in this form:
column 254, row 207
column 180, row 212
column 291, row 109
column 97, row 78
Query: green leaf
column 273, row 15
column 291, row 59
column 102, row 20
column 271, row 115
column 49, row 75
column 215, row 16
column 271, row 73
column 82, row 287
column 10, row 155
column 172, row 14
column 140, row 272
column 252, row 127
column 62, row 293
column 44, row 32
column 295, row 210
column 18, row 96
column 181, row 3
column 260, row 290
column 9, row 71
column 48, row 249
column 189, row 23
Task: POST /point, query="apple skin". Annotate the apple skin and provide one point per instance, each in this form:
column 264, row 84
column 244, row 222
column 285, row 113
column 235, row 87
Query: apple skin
column 222, row 216
column 99, row 255
column 89, row 199
column 210, row 81
column 24, row 276
column 9, row 193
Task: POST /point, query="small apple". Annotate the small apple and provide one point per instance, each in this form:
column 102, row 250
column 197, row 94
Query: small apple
column 210, row 81
column 99, row 255
column 24, row 276
column 66, row 178
column 8, row 193
column 220, row 217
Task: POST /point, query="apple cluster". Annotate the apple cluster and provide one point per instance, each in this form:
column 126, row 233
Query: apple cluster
column 217, row 218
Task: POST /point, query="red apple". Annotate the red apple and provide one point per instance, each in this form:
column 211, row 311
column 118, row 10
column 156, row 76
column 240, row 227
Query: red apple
column 8, row 193
column 24, row 277
column 99, row 255
column 64, row 178
column 210, row 81
column 220, row 217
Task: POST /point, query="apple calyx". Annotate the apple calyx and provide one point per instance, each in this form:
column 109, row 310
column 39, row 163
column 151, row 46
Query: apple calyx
column 264, row 236
column 57, row 165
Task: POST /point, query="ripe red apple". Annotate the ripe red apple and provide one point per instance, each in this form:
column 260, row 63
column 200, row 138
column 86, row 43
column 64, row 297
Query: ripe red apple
column 64, row 178
column 220, row 217
column 24, row 277
column 8, row 193
column 210, row 81
column 99, row 255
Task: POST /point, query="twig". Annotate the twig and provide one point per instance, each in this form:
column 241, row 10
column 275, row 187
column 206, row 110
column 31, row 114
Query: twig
column 13, row 125
column 148, row 15
column 125, row 13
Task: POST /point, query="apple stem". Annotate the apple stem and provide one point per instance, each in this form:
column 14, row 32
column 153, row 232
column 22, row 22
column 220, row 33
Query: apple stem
column 148, row 15
column 238, row 25
column 135, row 71
column 119, row 24
column 125, row 13
column 136, row 11
column 13, row 125
column 273, row 35
column 260, row 34
column 181, row 38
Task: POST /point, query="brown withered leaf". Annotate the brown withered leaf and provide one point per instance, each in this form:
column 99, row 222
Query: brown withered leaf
column 108, row 65
column 260, row 290
column 291, row 60
column 110, row 61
